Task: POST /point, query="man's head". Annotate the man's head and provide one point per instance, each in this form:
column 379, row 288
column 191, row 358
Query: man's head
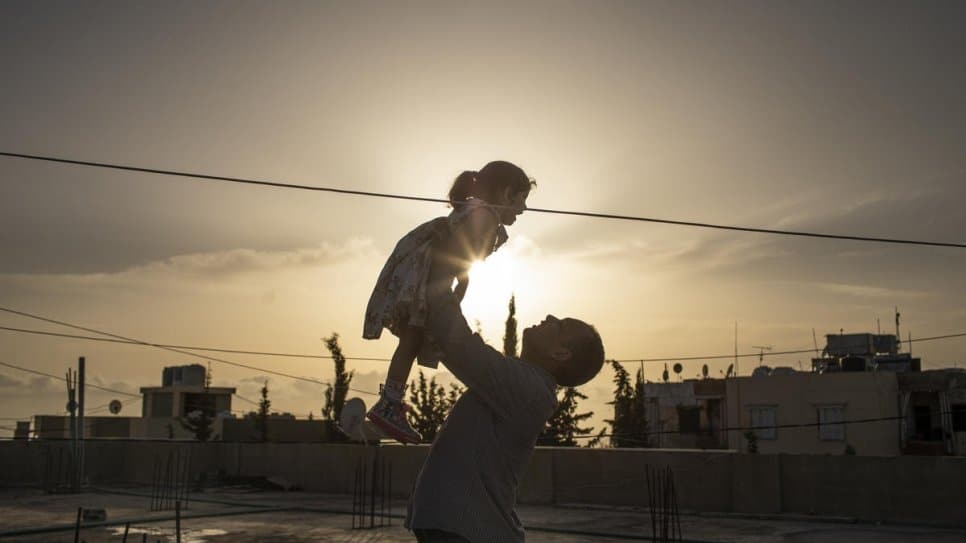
column 571, row 350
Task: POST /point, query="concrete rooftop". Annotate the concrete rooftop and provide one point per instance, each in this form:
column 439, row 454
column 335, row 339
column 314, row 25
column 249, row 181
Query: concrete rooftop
column 243, row 515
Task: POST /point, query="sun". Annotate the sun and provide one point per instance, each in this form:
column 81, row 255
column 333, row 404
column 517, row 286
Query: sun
column 491, row 285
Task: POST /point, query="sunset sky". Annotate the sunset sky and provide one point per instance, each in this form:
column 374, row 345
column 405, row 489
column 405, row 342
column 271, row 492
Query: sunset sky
column 836, row 117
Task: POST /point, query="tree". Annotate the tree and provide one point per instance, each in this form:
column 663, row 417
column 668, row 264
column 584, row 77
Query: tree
column 752, row 441
column 200, row 413
column 510, row 333
column 261, row 420
column 629, row 425
column 335, row 395
column 430, row 404
column 563, row 428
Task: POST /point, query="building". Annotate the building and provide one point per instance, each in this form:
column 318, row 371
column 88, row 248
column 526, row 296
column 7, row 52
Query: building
column 933, row 405
column 803, row 412
column 687, row 415
column 185, row 393
column 864, row 352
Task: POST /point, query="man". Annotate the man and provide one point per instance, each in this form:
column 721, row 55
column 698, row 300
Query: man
column 467, row 488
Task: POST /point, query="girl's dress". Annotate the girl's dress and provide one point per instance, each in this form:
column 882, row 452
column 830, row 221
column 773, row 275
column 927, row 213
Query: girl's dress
column 399, row 297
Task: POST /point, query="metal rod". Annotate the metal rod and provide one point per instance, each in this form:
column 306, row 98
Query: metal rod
column 372, row 496
column 165, row 481
column 355, row 494
column 127, row 528
column 77, row 525
column 177, row 521
column 389, row 493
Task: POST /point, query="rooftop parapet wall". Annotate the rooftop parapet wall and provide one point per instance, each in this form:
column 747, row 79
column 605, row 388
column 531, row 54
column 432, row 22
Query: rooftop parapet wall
column 909, row 489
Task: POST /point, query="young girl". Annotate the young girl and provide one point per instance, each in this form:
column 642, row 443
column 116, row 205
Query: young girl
column 483, row 202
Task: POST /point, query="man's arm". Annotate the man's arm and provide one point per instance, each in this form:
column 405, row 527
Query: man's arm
column 500, row 381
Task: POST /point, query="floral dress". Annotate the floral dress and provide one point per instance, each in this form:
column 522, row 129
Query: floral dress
column 399, row 297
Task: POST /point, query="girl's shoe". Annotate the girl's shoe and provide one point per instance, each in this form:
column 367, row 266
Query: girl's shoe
column 390, row 417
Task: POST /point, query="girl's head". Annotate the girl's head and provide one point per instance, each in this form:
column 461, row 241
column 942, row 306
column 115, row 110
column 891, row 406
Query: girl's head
column 499, row 183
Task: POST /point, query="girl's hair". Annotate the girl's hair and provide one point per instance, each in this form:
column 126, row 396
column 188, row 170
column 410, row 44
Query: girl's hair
column 489, row 183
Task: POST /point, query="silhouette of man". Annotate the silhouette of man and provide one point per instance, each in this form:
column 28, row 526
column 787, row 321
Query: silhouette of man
column 467, row 487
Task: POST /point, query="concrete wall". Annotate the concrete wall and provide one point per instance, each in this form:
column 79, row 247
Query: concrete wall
column 912, row 489
column 864, row 395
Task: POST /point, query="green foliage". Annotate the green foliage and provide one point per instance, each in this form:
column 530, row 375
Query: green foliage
column 200, row 415
column 510, row 333
column 335, row 395
column 752, row 438
column 563, row 428
column 261, row 420
column 430, row 404
column 629, row 425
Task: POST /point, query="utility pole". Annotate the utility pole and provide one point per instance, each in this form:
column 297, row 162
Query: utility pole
column 80, row 421
column 72, row 409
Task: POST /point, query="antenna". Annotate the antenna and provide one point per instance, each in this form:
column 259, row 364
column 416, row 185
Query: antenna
column 761, row 352
column 736, row 348
column 704, row 371
column 898, row 335
column 815, row 342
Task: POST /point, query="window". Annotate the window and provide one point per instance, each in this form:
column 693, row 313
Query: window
column 830, row 423
column 161, row 404
column 959, row 417
column 763, row 422
column 689, row 419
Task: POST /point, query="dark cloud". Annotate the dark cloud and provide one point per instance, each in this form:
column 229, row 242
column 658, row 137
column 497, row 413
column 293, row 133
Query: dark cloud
column 12, row 386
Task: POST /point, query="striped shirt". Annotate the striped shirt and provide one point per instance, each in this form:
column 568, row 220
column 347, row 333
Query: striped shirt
column 468, row 484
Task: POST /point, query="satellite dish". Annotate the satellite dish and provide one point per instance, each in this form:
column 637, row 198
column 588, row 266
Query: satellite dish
column 114, row 407
column 353, row 413
column 353, row 423
column 677, row 367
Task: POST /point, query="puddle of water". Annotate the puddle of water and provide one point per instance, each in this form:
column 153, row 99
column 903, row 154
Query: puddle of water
column 166, row 534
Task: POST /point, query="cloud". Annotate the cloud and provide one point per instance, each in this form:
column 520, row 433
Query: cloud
column 214, row 268
column 239, row 261
column 866, row 291
column 35, row 386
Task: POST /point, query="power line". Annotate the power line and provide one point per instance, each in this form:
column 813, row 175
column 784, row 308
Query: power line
column 744, row 428
column 315, row 356
column 179, row 351
column 106, row 389
column 192, row 348
column 277, row 184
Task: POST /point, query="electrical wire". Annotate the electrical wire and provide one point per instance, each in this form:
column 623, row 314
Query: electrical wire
column 369, row 359
column 106, row 389
column 179, row 351
column 188, row 347
column 629, row 437
column 277, row 184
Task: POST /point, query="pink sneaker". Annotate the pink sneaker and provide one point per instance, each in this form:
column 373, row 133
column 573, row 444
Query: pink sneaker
column 390, row 417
